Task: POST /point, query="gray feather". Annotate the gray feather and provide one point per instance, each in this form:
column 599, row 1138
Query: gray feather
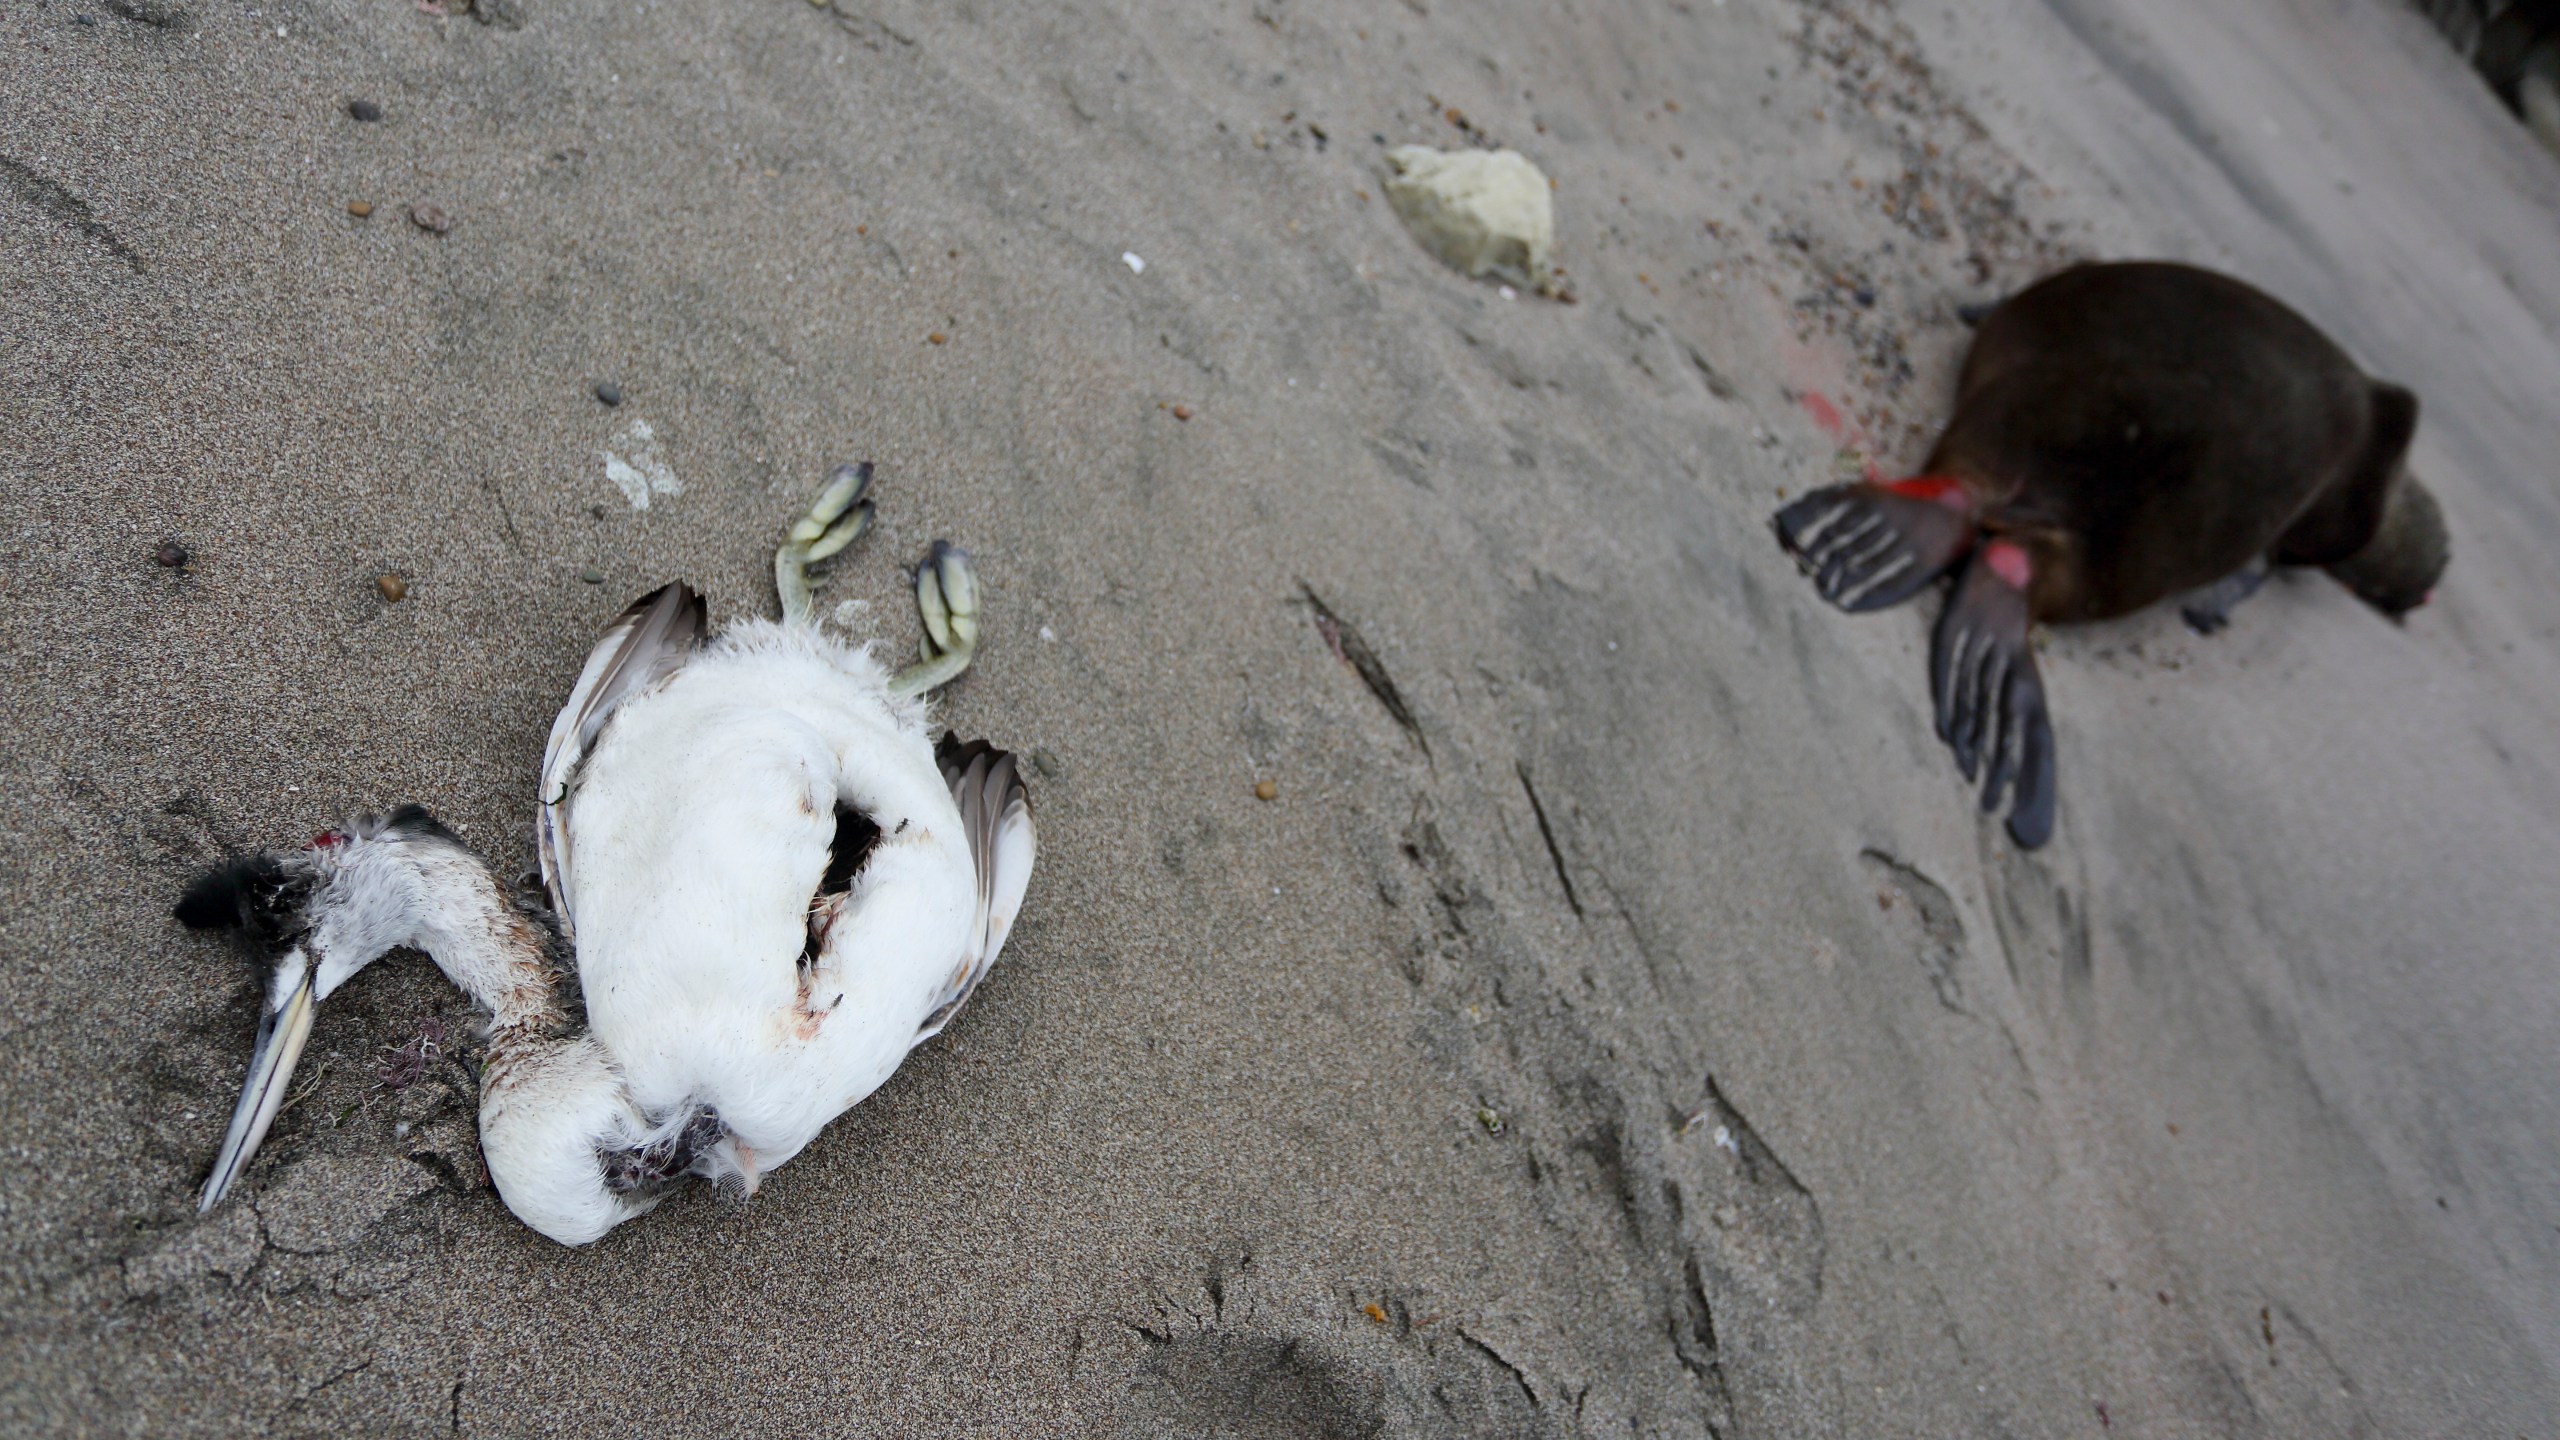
column 644, row 645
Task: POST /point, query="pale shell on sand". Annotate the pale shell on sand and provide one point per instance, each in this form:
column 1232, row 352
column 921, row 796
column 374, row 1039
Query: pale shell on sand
column 1482, row 212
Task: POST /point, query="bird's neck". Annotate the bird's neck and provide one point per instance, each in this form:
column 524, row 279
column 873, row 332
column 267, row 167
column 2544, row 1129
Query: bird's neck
column 499, row 956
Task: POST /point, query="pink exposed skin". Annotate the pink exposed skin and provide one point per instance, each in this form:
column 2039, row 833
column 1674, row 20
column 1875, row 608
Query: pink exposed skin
column 2008, row 560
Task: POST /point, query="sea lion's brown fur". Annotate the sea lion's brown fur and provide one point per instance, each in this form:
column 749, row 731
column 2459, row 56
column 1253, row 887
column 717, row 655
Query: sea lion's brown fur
column 2147, row 429
column 2123, row 433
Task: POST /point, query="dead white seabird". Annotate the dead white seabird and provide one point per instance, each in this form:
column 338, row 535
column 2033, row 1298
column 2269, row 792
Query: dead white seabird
column 773, row 883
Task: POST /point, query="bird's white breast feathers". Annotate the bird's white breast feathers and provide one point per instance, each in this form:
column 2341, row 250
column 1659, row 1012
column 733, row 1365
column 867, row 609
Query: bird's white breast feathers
column 701, row 827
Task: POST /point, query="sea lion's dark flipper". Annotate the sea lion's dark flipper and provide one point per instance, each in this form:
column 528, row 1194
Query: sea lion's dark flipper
column 2209, row 609
column 1870, row 546
column 1982, row 674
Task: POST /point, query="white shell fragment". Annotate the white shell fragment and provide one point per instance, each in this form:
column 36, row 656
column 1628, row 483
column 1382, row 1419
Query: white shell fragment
column 1130, row 259
column 643, row 474
column 1483, row 212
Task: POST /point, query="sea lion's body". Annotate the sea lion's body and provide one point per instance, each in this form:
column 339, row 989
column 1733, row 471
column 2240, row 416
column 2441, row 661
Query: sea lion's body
column 2148, row 429
column 2123, row 433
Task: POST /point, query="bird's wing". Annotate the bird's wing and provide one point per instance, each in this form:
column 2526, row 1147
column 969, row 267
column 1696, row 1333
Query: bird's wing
column 995, row 811
column 645, row 644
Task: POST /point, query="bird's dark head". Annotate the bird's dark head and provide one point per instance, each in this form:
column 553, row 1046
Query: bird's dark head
column 261, row 897
column 2398, row 571
column 272, row 899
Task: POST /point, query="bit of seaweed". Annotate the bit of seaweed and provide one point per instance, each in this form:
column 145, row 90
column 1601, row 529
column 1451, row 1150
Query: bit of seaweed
column 1344, row 639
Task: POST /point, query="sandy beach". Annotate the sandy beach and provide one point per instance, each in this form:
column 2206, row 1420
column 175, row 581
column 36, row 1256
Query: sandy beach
column 1616, row 1022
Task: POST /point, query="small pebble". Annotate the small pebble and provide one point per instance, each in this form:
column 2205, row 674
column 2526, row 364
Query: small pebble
column 936, row 338
column 171, row 554
column 429, row 219
column 393, row 588
column 360, row 208
column 1181, row 412
column 364, row 110
column 84, row 19
column 608, row 392
column 1265, row 790
column 1865, row 295
column 592, row 575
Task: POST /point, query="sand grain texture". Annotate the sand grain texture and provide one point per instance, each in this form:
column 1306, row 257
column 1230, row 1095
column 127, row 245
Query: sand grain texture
column 1628, row 1031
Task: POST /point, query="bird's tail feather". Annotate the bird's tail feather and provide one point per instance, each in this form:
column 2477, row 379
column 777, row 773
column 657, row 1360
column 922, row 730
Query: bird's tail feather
column 692, row 1139
column 995, row 812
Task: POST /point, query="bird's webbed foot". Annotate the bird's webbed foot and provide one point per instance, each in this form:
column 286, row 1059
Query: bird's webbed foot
column 2209, row 608
column 947, row 598
column 835, row 520
column 1990, row 703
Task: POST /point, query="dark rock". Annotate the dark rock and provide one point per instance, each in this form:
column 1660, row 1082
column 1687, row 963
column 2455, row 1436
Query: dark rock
column 364, row 110
column 608, row 392
column 172, row 554
column 158, row 14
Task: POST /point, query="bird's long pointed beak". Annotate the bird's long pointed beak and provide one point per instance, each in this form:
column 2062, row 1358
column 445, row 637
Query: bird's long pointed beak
column 281, row 1032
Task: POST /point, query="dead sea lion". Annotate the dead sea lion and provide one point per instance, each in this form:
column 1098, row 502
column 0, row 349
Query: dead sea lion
column 2123, row 433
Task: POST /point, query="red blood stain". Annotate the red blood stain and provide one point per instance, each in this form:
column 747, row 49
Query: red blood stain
column 1827, row 416
column 1945, row 489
